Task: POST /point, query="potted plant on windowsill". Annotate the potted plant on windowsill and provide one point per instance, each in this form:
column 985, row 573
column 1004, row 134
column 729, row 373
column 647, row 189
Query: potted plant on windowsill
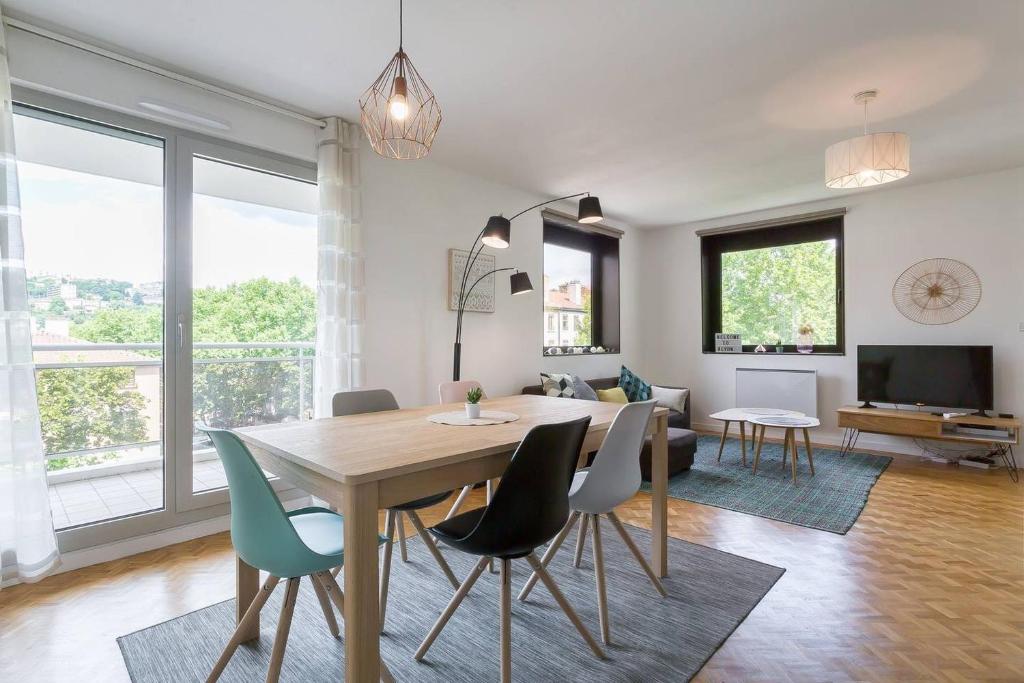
column 473, row 397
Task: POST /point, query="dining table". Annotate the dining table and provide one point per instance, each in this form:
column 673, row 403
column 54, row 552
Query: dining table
column 361, row 464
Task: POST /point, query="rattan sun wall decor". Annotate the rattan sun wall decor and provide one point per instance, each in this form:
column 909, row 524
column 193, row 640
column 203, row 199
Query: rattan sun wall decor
column 937, row 291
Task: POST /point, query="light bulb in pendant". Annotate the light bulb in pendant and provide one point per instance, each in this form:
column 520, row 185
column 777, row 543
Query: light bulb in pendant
column 398, row 104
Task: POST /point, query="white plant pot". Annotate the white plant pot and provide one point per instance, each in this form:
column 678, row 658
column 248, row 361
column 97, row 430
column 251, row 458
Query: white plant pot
column 472, row 410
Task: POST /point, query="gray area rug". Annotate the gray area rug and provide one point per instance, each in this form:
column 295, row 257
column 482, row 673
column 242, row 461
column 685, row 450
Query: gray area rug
column 654, row 638
column 831, row 500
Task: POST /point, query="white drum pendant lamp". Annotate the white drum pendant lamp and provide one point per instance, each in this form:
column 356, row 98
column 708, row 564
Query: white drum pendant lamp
column 869, row 159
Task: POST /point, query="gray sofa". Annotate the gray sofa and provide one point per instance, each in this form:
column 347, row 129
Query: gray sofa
column 682, row 441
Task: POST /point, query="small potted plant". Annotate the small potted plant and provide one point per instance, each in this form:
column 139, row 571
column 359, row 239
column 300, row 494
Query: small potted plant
column 473, row 397
column 805, row 342
column 779, row 348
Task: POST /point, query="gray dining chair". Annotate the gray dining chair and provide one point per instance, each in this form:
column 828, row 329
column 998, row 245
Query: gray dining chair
column 373, row 401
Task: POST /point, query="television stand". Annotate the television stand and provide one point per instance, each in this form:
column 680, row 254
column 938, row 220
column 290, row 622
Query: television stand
column 923, row 425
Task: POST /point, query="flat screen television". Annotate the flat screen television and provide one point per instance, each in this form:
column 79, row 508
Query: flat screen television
column 940, row 376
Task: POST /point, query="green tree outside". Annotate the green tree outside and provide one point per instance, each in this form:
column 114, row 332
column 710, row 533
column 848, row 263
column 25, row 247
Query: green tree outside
column 767, row 294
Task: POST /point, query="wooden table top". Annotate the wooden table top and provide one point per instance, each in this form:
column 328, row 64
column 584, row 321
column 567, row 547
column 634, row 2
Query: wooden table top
column 372, row 446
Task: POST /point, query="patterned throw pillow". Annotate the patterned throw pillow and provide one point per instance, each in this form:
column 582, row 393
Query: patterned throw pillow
column 558, row 385
column 636, row 389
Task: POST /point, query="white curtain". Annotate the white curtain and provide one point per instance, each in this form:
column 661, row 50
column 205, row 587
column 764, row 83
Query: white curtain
column 339, row 298
column 28, row 546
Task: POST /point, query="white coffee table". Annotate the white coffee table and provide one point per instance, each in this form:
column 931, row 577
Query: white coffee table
column 790, row 424
column 744, row 415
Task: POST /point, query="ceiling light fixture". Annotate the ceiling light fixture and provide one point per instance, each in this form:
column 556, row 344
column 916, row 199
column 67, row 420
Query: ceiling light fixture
column 869, row 159
column 400, row 114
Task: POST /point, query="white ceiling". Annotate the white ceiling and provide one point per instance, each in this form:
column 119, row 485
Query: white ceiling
column 670, row 110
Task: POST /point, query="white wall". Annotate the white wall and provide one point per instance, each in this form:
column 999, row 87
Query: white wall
column 413, row 212
column 977, row 219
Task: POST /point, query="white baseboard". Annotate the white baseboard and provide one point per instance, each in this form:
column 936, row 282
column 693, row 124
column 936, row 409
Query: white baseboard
column 86, row 557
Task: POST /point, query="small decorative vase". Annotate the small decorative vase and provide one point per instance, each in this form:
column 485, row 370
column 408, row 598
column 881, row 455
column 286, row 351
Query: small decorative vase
column 472, row 410
column 805, row 343
column 760, row 349
column 780, row 349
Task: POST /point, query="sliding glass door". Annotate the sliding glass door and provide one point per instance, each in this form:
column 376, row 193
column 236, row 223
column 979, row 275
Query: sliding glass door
column 92, row 201
column 251, row 300
column 172, row 282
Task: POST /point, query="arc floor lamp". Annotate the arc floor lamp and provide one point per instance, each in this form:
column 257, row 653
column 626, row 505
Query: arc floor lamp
column 497, row 234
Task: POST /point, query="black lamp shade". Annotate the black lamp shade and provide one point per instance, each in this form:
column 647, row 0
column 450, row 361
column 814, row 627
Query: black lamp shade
column 590, row 210
column 498, row 232
column 520, row 283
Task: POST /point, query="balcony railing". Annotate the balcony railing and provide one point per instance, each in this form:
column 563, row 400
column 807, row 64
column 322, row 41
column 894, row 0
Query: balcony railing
column 298, row 354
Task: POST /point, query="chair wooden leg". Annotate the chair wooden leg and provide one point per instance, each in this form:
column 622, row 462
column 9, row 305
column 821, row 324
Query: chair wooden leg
column 401, row 535
column 743, row 442
column 466, row 490
column 239, row 636
column 614, row 519
column 792, row 445
column 564, row 604
column 581, row 541
column 721, row 444
column 325, row 605
column 284, row 625
column 453, row 605
column 334, row 592
column 432, row 547
column 757, row 453
column 602, row 594
column 810, row 453
column 506, row 621
column 550, row 553
column 385, row 566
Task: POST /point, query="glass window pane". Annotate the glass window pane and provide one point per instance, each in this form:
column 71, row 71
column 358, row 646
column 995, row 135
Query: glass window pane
column 92, row 215
column 769, row 294
column 254, row 303
column 567, row 297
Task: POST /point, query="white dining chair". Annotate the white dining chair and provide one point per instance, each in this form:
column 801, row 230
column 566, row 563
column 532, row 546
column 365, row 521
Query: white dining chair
column 612, row 479
column 455, row 392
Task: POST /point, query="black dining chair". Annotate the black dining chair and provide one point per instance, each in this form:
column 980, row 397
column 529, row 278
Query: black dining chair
column 530, row 506
column 372, row 401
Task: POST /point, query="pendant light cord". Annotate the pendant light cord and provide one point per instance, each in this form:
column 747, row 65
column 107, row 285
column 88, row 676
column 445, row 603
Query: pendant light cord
column 401, row 3
column 865, row 116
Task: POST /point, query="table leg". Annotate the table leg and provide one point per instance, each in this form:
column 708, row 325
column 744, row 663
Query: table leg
column 362, row 618
column 247, row 585
column 721, row 444
column 810, row 454
column 659, row 497
column 792, row 445
column 743, row 442
column 760, row 443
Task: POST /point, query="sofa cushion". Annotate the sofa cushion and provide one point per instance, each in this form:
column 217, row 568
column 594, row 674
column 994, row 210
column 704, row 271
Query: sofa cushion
column 559, row 385
column 673, row 399
column 582, row 390
column 636, row 389
column 616, row 395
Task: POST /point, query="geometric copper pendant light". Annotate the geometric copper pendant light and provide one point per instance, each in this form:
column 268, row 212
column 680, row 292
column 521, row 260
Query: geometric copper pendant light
column 400, row 114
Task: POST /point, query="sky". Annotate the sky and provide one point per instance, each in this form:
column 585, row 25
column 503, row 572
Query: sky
column 88, row 226
column 562, row 264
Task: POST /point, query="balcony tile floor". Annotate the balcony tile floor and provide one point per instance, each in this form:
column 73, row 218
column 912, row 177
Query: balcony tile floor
column 91, row 500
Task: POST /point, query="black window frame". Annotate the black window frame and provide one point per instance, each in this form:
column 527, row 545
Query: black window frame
column 712, row 246
column 605, row 281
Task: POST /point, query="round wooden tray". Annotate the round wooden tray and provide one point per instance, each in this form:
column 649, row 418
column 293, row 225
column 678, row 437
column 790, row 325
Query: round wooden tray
column 487, row 417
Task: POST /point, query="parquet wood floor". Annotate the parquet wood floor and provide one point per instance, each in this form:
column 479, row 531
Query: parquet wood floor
column 927, row 586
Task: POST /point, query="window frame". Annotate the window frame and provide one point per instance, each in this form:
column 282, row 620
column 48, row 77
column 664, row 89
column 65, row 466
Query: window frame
column 713, row 245
column 605, row 313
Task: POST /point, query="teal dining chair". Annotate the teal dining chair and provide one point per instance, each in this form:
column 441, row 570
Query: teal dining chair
column 308, row 542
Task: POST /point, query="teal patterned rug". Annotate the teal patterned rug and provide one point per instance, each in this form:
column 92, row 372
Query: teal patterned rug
column 832, row 500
